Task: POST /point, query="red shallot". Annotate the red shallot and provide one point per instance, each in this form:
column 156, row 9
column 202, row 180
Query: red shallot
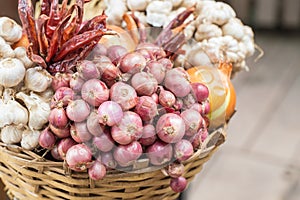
column 200, row 91
column 125, row 155
column 132, row 63
column 110, row 113
column 178, row 184
column 97, row 171
column 170, row 128
column 104, row 142
column 76, row 82
column 159, row 153
column 158, row 70
column 78, row 110
column 192, row 120
column 146, row 108
column 79, row 132
column 88, row 70
column 93, row 125
column 144, row 83
column 115, row 52
column 79, row 157
column 148, row 136
column 183, row 150
column 64, row 145
column 60, row 80
column 175, row 169
column 94, row 92
column 123, row 94
column 129, row 129
column 58, row 117
column 47, row 139
column 177, row 81
column 60, row 132
column 108, row 160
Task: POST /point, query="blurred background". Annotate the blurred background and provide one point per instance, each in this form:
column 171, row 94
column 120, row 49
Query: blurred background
column 260, row 159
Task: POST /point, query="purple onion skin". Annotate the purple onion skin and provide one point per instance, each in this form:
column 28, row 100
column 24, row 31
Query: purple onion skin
column 159, row 153
column 79, row 157
column 183, row 150
column 148, row 136
column 97, row 171
column 175, row 169
column 108, row 160
column 170, row 128
column 178, row 184
column 55, row 154
column 47, row 139
column 64, row 145
column 115, row 52
column 125, row 155
column 110, row 113
column 104, row 142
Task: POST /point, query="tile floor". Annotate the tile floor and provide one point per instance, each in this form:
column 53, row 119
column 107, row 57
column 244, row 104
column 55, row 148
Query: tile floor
column 261, row 157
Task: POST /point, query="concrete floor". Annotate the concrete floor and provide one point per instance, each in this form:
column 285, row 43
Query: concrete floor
column 260, row 159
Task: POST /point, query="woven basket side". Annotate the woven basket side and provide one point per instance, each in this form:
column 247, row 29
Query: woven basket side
column 27, row 175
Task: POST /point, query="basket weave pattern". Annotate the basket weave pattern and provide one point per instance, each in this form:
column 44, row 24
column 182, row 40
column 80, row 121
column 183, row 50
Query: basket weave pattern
column 27, row 175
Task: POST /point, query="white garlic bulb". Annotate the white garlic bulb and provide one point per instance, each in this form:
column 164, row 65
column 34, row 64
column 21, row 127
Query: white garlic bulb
column 206, row 31
column 12, row 72
column 115, row 10
column 38, row 109
column 137, row 5
column 12, row 112
column 30, row 139
column 12, row 134
column 10, row 30
column 235, row 28
column 5, row 49
column 20, row 53
column 37, row 79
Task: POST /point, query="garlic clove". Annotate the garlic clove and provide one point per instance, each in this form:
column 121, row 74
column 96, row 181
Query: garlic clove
column 39, row 110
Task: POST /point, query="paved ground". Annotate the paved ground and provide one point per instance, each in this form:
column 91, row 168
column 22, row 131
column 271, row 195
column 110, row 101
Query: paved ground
column 260, row 160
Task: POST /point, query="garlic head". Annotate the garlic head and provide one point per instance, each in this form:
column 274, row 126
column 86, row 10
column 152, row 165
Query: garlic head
column 12, row 134
column 10, row 30
column 39, row 110
column 37, row 79
column 12, row 72
column 30, row 139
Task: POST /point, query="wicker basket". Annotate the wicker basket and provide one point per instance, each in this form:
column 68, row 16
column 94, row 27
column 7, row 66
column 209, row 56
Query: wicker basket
column 26, row 175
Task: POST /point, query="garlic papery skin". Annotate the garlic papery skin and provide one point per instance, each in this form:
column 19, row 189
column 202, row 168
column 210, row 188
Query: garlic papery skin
column 12, row 72
column 39, row 110
column 12, row 134
column 20, row 53
column 10, row 30
column 37, row 79
column 30, row 139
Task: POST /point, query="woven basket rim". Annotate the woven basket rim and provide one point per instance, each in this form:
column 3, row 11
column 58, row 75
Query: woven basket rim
column 216, row 138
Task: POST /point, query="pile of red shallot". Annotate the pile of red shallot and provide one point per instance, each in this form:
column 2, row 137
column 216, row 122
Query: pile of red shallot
column 121, row 106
